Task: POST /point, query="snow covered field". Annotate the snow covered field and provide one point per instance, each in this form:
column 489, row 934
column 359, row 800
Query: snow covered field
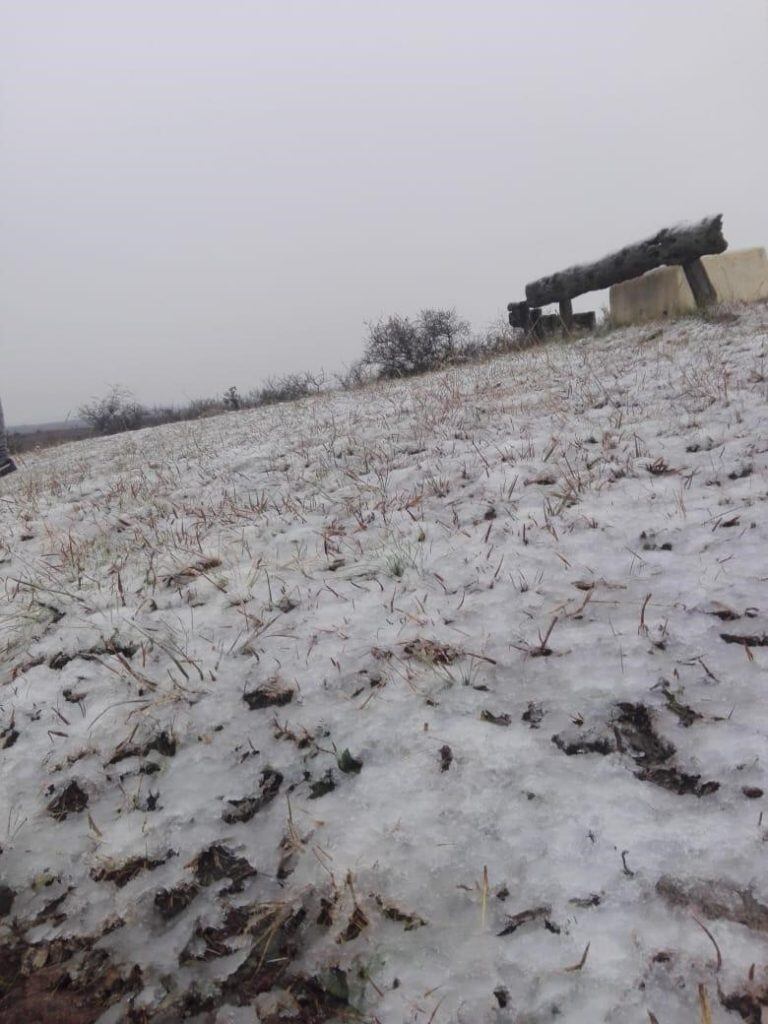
column 440, row 702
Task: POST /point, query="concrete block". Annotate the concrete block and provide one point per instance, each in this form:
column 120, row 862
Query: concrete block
column 657, row 295
column 739, row 276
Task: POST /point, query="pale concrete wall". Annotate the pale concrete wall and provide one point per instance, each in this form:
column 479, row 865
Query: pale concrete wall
column 740, row 276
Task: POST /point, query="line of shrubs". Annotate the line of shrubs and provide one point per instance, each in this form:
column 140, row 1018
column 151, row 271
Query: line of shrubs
column 395, row 347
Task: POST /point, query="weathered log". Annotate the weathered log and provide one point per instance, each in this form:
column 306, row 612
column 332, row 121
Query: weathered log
column 533, row 321
column 553, row 323
column 519, row 314
column 679, row 245
column 700, row 284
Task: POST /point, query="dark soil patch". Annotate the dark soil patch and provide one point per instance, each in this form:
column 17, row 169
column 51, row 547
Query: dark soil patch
column 355, row 925
column 686, row 715
column 247, row 807
column 325, row 784
column 7, row 896
column 489, row 716
column 71, row 800
column 127, row 871
column 127, row 650
column 393, row 913
column 584, row 902
column 587, row 744
column 634, row 734
column 716, row 899
column 635, row 724
column 52, row 912
column 276, row 944
column 748, row 1005
column 268, row 697
column 752, row 792
column 432, row 652
column 678, row 781
column 533, row 715
column 211, row 943
column 171, row 902
column 219, row 862
column 745, row 641
column 70, row 982
column 163, row 743
column 348, row 764
column 636, row 730
column 73, row 696
column 526, row 917
column 8, row 737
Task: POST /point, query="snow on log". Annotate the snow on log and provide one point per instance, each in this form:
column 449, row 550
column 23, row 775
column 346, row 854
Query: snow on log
column 678, row 245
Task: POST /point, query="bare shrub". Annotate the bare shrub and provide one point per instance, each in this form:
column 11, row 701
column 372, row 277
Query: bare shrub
column 289, row 388
column 232, row 400
column 399, row 347
column 114, row 413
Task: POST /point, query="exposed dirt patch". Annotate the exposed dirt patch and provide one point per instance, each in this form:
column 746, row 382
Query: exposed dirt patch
column 211, row 943
column 678, row 781
column 191, row 572
column 635, row 726
column 163, row 743
column 748, row 1005
column 432, row 652
column 123, row 873
column 325, row 784
column 715, row 899
column 489, row 716
column 171, row 902
column 590, row 742
column 533, row 715
column 755, row 640
column 634, row 734
column 268, row 696
column 8, row 736
column 7, row 896
column 393, row 913
column 71, row 800
column 127, row 650
column 276, row 944
column 65, row 981
column 247, row 807
column 526, row 917
column 219, row 862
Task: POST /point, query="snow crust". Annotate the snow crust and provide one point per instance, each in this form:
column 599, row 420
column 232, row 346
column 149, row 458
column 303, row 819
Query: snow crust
column 401, row 558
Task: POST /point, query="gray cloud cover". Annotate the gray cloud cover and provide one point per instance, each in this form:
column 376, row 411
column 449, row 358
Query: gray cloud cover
column 195, row 194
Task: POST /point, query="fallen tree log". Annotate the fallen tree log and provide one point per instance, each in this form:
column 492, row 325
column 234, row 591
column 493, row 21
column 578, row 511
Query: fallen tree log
column 679, row 245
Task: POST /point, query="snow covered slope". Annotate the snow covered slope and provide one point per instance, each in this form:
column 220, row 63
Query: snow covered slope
column 443, row 701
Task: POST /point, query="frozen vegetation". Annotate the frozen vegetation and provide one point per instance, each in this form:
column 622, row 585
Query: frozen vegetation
column 438, row 702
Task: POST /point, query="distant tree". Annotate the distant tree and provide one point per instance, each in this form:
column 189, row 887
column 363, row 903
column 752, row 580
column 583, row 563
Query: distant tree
column 288, row 388
column 443, row 332
column 232, row 400
column 400, row 347
column 114, row 413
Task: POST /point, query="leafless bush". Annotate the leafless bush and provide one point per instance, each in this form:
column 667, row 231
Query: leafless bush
column 288, row 388
column 114, row 413
column 232, row 400
column 356, row 375
column 399, row 347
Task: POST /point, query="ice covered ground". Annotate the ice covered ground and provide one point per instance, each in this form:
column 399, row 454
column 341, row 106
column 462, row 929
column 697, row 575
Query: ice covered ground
column 442, row 701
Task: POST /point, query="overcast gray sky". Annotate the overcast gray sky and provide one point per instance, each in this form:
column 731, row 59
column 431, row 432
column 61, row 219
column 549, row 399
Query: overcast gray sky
column 197, row 193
